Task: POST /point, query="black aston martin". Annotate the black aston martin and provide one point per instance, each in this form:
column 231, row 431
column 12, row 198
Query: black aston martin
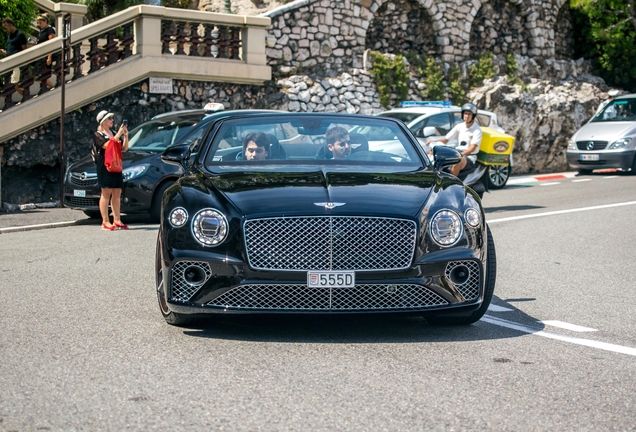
column 327, row 221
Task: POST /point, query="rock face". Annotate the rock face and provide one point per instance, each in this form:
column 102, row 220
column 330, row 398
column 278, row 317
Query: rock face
column 542, row 117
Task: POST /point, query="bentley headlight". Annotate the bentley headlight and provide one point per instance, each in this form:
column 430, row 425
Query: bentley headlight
column 209, row 227
column 623, row 142
column 134, row 171
column 178, row 217
column 572, row 145
column 446, row 227
column 473, row 218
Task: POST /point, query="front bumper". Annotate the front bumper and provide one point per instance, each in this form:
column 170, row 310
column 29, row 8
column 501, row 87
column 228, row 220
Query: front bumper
column 135, row 198
column 229, row 286
column 607, row 159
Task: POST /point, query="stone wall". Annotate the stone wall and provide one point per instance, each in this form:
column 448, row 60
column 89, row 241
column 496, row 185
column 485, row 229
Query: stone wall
column 310, row 35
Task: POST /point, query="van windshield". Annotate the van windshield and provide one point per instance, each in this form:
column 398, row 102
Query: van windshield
column 618, row 110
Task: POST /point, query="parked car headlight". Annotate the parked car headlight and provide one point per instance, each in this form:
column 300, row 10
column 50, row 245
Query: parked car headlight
column 623, row 142
column 446, row 227
column 209, row 227
column 134, row 171
column 572, row 145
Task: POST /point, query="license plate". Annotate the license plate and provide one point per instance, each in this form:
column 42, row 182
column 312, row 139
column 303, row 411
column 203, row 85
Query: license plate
column 79, row 193
column 589, row 157
column 331, row 279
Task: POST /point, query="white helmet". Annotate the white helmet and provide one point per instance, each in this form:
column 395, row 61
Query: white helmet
column 471, row 108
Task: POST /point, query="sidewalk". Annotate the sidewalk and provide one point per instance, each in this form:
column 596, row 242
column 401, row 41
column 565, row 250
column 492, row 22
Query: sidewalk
column 41, row 218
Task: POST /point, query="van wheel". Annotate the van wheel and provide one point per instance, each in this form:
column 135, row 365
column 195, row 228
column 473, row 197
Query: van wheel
column 155, row 208
column 585, row 171
column 498, row 176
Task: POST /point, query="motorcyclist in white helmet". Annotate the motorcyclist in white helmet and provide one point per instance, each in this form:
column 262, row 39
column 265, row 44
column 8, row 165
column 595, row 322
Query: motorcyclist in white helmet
column 467, row 134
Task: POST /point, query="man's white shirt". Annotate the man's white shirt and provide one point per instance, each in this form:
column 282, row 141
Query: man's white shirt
column 469, row 135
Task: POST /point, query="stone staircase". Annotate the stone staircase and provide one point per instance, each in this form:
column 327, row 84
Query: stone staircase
column 137, row 43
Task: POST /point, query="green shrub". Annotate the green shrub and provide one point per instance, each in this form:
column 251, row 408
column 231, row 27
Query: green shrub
column 390, row 76
column 434, row 80
column 456, row 89
column 483, row 69
column 512, row 69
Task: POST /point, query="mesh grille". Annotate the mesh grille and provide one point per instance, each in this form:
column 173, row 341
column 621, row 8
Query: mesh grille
column 596, row 145
column 300, row 297
column 469, row 289
column 330, row 243
column 89, row 180
column 182, row 290
column 82, row 202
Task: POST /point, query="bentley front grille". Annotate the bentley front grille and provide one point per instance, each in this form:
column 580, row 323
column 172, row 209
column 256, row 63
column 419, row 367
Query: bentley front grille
column 468, row 284
column 330, row 243
column 84, row 180
column 375, row 297
column 187, row 277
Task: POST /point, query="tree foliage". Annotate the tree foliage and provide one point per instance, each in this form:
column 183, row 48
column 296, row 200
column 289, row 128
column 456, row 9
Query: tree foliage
column 22, row 12
column 390, row 75
column 98, row 9
column 607, row 30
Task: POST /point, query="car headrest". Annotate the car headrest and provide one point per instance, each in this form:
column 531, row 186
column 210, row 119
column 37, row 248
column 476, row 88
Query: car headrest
column 357, row 138
column 276, row 150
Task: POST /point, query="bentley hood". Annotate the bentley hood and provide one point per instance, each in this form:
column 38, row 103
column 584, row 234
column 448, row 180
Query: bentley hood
column 318, row 193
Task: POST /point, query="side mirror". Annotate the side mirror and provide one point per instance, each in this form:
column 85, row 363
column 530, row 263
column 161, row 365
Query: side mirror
column 177, row 155
column 445, row 156
column 430, row 131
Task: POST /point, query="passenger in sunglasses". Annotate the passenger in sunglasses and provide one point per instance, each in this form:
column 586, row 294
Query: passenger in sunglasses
column 338, row 142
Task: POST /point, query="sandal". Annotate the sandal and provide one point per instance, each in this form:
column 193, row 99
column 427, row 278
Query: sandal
column 121, row 226
column 108, row 228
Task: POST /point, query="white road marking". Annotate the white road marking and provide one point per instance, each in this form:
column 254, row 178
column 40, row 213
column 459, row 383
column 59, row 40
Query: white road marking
column 495, row 308
column 609, row 177
column 578, row 341
column 580, row 180
column 567, row 326
column 549, row 184
column 561, row 212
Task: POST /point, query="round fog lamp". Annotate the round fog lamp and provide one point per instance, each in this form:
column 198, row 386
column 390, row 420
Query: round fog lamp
column 178, row 217
column 472, row 217
column 446, row 228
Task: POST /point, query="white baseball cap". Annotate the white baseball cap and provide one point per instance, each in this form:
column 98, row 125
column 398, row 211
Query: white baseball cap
column 103, row 115
column 613, row 93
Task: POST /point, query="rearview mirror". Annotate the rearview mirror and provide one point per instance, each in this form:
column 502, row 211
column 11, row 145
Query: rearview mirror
column 177, row 155
column 445, row 156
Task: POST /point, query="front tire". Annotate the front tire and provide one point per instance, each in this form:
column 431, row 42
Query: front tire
column 491, row 276
column 171, row 318
column 93, row 214
column 585, row 171
column 498, row 176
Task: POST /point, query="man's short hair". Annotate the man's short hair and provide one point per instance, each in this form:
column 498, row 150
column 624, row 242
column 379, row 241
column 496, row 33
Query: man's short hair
column 259, row 138
column 336, row 134
column 8, row 20
column 42, row 18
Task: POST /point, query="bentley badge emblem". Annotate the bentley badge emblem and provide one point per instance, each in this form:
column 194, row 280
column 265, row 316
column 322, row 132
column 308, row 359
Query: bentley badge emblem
column 590, row 145
column 329, row 205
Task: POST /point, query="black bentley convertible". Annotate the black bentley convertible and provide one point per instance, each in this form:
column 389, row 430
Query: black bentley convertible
column 323, row 221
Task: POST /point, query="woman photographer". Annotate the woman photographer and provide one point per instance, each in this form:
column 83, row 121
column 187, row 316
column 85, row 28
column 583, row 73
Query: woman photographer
column 111, row 183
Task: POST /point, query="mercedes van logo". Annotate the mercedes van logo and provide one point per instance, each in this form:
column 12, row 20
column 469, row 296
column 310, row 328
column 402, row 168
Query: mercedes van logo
column 590, row 145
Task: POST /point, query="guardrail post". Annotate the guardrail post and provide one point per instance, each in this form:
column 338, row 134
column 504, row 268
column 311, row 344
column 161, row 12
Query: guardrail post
column 148, row 36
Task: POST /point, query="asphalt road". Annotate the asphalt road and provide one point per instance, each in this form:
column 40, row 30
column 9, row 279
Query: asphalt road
column 83, row 346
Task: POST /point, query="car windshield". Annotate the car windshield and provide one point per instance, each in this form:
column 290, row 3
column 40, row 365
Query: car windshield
column 621, row 110
column 265, row 141
column 157, row 135
column 405, row 117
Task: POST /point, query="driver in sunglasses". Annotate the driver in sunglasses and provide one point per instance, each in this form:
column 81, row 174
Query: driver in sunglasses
column 338, row 142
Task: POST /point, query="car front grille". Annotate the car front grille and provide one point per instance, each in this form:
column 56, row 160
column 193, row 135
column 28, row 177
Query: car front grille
column 330, row 243
column 81, row 202
column 469, row 289
column 83, row 179
column 591, row 145
column 376, row 297
column 181, row 288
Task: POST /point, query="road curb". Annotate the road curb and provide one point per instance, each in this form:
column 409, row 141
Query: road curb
column 38, row 227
